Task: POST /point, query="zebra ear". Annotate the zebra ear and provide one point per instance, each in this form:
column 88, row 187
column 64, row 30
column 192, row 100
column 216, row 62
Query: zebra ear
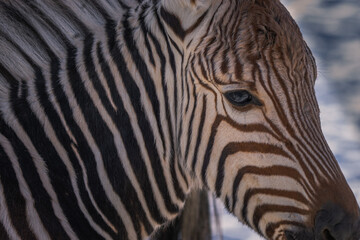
column 181, row 15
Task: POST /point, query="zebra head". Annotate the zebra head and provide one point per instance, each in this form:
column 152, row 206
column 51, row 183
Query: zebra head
column 250, row 120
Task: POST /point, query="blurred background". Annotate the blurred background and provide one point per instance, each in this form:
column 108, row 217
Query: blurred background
column 332, row 30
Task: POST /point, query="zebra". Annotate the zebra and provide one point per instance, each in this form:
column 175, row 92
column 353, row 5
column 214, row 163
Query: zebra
column 112, row 111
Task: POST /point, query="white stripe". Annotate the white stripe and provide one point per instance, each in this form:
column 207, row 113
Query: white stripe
column 102, row 78
column 180, row 178
column 156, row 74
column 121, row 150
column 63, row 155
column 109, row 191
column 133, row 118
column 169, row 81
column 85, row 177
column 147, row 107
column 40, row 167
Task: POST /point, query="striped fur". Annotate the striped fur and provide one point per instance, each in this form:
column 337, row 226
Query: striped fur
column 112, row 111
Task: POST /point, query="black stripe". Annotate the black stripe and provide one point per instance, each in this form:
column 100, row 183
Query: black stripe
column 3, row 233
column 15, row 201
column 42, row 200
column 200, row 133
column 209, row 148
column 105, row 141
column 66, row 142
column 61, row 132
column 180, row 128
column 173, row 68
column 142, row 16
column 227, row 203
column 164, row 86
column 190, row 132
column 146, row 77
column 206, row 84
column 86, row 154
column 173, row 22
column 187, row 82
column 123, row 123
column 174, row 147
column 41, row 81
column 181, row 169
column 173, row 43
column 57, row 171
column 84, row 150
column 147, row 133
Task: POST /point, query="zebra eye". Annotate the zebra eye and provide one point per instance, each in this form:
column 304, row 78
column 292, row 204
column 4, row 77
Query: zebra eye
column 241, row 98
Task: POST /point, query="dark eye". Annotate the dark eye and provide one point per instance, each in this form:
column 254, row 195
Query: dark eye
column 242, row 98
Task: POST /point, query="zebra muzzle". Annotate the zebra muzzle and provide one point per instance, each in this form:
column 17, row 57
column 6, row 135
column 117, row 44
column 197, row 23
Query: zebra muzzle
column 334, row 223
column 331, row 223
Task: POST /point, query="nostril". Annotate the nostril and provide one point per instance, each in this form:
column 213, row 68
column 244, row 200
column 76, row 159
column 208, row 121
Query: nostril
column 327, row 235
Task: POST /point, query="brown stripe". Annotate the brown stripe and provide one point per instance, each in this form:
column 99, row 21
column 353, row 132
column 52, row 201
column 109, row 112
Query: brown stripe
column 260, row 211
column 286, row 124
column 214, row 129
column 267, row 171
column 273, row 192
column 291, row 112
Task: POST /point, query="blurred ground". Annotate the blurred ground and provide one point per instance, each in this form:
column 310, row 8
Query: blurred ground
column 332, row 30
